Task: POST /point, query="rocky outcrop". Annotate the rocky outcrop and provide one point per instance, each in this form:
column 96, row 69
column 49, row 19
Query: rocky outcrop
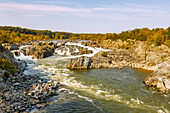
column 80, row 63
column 150, row 54
column 130, row 53
column 6, row 54
column 112, row 59
column 92, row 43
column 160, row 78
column 39, row 50
column 72, row 50
column 11, row 46
column 19, row 92
column 22, row 92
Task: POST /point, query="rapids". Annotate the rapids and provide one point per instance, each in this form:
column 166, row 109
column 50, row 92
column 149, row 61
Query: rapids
column 97, row 90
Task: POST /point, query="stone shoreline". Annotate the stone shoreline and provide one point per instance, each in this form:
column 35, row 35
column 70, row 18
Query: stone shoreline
column 20, row 92
column 126, row 54
column 26, row 92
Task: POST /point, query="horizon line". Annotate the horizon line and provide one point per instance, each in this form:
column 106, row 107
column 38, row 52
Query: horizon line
column 78, row 32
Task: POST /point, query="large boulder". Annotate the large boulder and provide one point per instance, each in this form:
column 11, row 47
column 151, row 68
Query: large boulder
column 160, row 78
column 111, row 59
column 11, row 46
column 39, row 50
column 80, row 63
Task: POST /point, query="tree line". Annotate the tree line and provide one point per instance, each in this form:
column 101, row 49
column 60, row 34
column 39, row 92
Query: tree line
column 156, row 36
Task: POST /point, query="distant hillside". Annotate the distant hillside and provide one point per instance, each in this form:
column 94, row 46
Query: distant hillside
column 157, row 36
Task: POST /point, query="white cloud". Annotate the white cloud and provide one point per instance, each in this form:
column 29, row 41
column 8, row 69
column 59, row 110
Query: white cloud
column 109, row 12
column 34, row 15
column 35, row 7
column 130, row 8
column 57, row 2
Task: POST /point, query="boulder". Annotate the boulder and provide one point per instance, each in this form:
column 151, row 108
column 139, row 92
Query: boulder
column 160, row 78
column 13, row 47
column 80, row 63
column 39, row 51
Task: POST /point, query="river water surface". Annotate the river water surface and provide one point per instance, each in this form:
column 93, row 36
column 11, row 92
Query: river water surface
column 98, row 90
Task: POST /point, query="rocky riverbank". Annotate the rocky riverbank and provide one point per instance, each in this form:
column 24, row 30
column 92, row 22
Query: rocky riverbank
column 160, row 78
column 135, row 54
column 117, row 58
column 19, row 92
column 25, row 92
column 39, row 50
column 6, row 54
column 72, row 50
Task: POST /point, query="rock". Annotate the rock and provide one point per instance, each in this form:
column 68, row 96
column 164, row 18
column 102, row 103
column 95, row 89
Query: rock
column 6, row 54
column 39, row 51
column 2, row 72
column 16, row 84
column 160, row 78
column 22, row 109
column 11, row 46
column 17, row 53
column 2, row 105
column 167, row 83
column 80, row 63
column 33, row 102
column 55, row 86
column 55, row 93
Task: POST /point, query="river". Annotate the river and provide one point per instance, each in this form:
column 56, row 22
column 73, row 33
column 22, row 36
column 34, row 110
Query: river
column 98, row 90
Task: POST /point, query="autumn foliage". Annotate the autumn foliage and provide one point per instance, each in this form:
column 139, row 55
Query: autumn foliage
column 155, row 36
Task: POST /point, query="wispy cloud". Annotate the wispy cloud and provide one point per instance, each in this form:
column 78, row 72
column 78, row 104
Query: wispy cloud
column 57, row 2
column 114, row 12
column 2, row 15
column 35, row 7
column 130, row 8
column 34, row 15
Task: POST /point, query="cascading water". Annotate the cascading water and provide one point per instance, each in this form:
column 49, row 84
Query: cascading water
column 98, row 90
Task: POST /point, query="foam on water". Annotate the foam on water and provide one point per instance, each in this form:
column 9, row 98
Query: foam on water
column 94, row 49
column 21, row 47
column 64, row 76
column 59, row 52
column 22, row 56
column 68, row 51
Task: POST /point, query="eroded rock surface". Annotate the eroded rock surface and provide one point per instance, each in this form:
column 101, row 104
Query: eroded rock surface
column 6, row 54
column 111, row 59
column 160, row 78
column 39, row 50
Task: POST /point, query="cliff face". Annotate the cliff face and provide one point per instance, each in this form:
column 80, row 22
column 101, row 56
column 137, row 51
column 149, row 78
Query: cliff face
column 80, row 63
column 160, row 78
column 20, row 92
column 9, row 66
column 6, row 54
column 111, row 59
column 130, row 54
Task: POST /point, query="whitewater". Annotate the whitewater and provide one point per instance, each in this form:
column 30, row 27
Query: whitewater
column 96, row 90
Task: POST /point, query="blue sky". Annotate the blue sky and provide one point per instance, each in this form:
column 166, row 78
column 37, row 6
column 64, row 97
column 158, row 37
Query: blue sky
column 85, row 16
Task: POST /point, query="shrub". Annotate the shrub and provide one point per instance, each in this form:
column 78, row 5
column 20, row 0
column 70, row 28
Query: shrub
column 104, row 54
column 167, row 43
column 6, row 64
